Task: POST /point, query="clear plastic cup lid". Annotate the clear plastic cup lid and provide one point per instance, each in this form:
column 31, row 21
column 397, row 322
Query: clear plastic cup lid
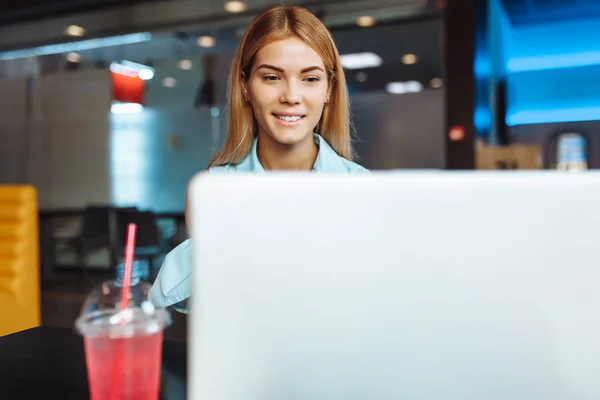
column 101, row 314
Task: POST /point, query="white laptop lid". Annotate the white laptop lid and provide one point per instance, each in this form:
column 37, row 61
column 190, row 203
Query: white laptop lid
column 423, row 285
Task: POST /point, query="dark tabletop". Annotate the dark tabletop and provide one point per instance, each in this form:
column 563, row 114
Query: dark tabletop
column 49, row 363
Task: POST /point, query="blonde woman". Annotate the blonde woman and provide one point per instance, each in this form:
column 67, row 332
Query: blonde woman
column 288, row 110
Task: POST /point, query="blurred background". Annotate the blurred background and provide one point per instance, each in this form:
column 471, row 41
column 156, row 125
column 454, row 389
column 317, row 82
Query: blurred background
column 109, row 107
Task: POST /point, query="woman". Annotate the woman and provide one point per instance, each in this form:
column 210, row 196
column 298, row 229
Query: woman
column 286, row 83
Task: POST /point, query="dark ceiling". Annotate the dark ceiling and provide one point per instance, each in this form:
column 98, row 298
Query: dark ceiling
column 14, row 11
column 421, row 36
column 527, row 12
column 424, row 38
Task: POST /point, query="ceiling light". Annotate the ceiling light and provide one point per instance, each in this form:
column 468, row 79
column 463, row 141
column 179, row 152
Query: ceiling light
column 403, row 87
column 436, row 83
column 365, row 21
column 126, row 108
column 360, row 60
column 235, row 6
column 206, row 41
column 185, row 64
column 169, row 81
column 396, row 88
column 146, row 74
column 122, row 70
column 409, row 59
column 414, row 86
column 75, row 31
column 74, row 57
column 130, row 68
column 76, row 46
column 134, row 65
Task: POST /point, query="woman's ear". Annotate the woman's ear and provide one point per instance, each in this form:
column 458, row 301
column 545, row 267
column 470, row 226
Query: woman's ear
column 245, row 87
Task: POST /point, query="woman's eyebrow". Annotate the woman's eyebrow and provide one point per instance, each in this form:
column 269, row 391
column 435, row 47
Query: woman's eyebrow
column 303, row 71
column 267, row 66
column 313, row 68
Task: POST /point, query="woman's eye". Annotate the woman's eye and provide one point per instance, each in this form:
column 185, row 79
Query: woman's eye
column 312, row 79
column 270, row 77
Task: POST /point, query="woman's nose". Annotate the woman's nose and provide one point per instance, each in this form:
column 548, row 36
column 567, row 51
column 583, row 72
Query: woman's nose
column 291, row 94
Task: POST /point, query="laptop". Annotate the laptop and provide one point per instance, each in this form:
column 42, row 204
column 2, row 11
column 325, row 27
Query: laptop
column 395, row 285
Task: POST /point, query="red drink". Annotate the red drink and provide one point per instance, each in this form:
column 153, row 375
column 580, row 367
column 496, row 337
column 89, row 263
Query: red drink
column 137, row 359
column 123, row 345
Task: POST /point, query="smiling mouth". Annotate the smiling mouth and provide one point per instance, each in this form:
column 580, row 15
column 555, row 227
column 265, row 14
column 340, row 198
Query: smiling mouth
column 289, row 118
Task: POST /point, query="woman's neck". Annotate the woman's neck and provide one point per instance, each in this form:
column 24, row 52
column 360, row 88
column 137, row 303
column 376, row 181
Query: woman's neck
column 275, row 156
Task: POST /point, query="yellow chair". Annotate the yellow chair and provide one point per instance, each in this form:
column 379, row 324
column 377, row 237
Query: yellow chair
column 19, row 259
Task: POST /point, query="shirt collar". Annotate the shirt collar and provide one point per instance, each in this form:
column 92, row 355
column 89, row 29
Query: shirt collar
column 326, row 156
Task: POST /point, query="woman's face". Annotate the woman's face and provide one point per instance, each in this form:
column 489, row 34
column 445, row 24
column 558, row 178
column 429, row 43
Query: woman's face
column 287, row 88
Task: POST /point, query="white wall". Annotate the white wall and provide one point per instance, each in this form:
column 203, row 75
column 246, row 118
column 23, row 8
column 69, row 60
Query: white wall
column 12, row 129
column 146, row 170
column 72, row 128
column 400, row 131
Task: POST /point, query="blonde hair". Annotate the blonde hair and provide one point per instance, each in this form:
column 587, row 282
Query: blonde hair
column 278, row 23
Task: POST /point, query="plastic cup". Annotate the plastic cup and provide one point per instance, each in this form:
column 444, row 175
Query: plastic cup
column 122, row 348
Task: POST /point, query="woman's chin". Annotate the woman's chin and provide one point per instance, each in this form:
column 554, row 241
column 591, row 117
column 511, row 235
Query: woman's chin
column 290, row 137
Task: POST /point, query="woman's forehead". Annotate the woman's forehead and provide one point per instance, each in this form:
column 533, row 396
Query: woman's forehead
column 289, row 54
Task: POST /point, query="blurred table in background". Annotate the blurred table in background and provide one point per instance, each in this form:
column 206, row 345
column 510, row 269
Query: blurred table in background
column 59, row 226
column 527, row 157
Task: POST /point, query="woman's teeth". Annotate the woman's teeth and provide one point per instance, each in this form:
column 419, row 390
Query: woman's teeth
column 289, row 118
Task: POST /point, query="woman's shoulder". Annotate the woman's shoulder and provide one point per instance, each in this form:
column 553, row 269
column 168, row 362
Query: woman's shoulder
column 231, row 168
column 353, row 167
column 223, row 168
column 336, row 163
column 246, row 165
column 330, row 161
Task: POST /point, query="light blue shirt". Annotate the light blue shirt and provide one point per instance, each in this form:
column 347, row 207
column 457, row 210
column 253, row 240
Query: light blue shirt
column 173, row 283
